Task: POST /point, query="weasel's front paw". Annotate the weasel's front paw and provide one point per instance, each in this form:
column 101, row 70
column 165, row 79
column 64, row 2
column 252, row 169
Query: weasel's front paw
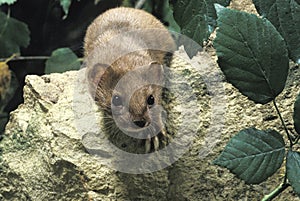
column 156, row 142
column 148, row 144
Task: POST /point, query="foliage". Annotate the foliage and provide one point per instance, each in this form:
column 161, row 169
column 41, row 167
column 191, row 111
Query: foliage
column 13, row 34
column 297, row 114
column 252, row 54
column 285, row 16
column 253, row 57
column 62, row 60
column 292, row 168
column 197, row 18
column 253, row 155
column 7, row 1
column 163, row 11
column 65, row 4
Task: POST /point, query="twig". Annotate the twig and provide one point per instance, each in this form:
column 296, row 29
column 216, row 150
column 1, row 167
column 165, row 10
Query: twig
column 18, row 58
column 282, row 121
column 275, row 192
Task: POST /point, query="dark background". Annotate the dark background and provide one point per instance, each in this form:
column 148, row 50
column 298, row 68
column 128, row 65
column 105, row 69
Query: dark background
column 49, row 31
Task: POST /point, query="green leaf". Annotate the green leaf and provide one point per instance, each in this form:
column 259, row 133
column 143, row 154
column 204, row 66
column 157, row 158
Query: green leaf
column 197, row 18
column 293, row 170
column 9, row 2
column 252, row 54
column 285, row 16
column 253, row 155
column 65, row 4
column 13, row 35
column 167, row 16
column 296, row 115
column 62, row 60
column 96, row 1
column 164, row 11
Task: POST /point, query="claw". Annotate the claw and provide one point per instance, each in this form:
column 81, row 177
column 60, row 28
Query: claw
column 148, row 144
column 155, row 143
column 164, row 132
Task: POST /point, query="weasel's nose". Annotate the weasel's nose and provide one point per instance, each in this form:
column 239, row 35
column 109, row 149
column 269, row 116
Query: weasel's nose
column 140, row 124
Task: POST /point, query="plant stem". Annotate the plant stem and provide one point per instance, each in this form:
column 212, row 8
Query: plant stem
column 275, row 192
column 282, row 121
column 18, row 58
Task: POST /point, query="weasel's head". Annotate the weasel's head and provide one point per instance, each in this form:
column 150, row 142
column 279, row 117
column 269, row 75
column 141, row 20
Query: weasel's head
column 131, row 97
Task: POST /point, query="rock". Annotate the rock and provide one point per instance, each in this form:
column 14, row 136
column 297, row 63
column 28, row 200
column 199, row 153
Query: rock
column 53, row 148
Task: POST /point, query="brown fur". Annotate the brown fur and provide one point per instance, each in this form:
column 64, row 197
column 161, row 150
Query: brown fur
column 128, row 46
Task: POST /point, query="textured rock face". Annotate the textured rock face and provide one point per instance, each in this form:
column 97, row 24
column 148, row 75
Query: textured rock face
column 44, row 157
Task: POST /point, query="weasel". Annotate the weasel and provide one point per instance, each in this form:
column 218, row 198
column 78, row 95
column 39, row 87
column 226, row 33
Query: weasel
column 124, row 50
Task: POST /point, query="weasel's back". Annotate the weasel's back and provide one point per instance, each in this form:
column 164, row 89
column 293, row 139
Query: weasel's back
column 121, row 20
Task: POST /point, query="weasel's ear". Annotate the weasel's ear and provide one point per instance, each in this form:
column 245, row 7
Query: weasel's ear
column 96, row 73
column 156, row 73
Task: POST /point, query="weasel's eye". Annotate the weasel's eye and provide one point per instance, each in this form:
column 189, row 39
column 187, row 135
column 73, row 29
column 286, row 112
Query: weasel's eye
column 117, row 100
column 150, row 100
